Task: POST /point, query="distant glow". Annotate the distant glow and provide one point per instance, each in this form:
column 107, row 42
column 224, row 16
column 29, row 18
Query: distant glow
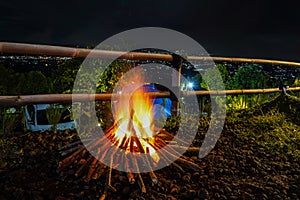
column 190, row 85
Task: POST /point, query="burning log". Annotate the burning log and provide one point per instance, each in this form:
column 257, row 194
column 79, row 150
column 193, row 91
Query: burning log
column 96, row 169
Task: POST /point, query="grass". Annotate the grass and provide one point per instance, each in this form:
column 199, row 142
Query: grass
column 274, row 126
column 275, row 133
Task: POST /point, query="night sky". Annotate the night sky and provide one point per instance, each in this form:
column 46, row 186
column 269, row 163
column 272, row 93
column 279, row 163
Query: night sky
column 235, row 28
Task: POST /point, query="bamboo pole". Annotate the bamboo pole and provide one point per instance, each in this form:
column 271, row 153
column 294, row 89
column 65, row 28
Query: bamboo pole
column 177, row 64
column 60, row 51
column 65, row 98
column 236, row 92
column 68, row 98
column 244, row 60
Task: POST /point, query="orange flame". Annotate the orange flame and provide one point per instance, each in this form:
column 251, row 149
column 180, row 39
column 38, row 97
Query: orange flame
column 134, row 120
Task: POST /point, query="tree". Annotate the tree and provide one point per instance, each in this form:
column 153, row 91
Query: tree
column 212, row 81
column 35, row 83
column 248, row 77
column 64, row 76
column 5, row 80
column 112, row 74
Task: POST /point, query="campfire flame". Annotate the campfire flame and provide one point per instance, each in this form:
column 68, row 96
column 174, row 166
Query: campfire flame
column 134, row 126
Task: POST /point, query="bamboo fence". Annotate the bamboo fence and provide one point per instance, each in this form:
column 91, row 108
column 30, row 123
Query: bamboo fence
column 65, row 98
column 60, row 51
column 69, row 98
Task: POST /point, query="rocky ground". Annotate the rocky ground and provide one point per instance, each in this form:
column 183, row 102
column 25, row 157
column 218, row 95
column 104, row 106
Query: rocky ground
column 255, row 158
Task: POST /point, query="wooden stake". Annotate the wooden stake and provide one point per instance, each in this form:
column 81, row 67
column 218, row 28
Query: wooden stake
column 99, row 171
column 67, row 146
column 178, row 166
column 173, row 137
column 189, row 149
column 93, row 166
column 84, row 166
column 142, row 185
column 103, row 196
column 109, row 174
column 131, row 178
column 189, row 164
column 69, row 160
column 68, row 151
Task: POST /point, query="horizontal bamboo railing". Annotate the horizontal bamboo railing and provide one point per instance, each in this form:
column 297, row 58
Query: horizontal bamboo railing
column 60, row 51
column 65, row 98
column 68, row 98
column 242, row 91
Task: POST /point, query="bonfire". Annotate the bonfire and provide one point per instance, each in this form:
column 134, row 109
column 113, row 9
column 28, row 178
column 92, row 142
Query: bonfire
column 132, row 144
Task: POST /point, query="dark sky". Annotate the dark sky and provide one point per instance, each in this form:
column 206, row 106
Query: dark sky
column 261, row 29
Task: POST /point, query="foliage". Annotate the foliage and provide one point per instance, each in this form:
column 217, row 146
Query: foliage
column 108, row 79
column 223, row 72
column 296, row 84
column 274, row 125
column 89, row 78
column 247, row 77
column 112, row 74
column 9, row 121
column 64, row 76
column 53, row 114
column 33, row 82
column 5, row 80
column 211, row 79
